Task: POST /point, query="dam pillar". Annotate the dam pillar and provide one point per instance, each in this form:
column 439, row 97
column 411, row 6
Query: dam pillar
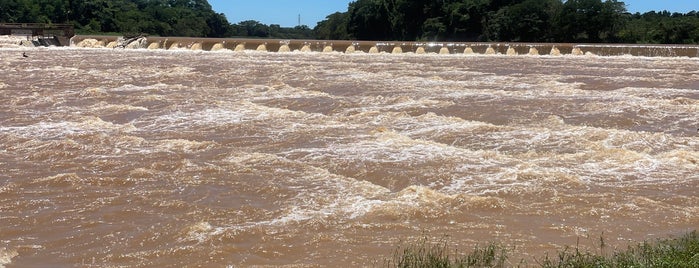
column 490, row 51
column 511, row 51
column 350, row 49
column 218, row 46
column 196, row 46
column 533, row 51
column 468, row 50
column 555, row 51
column 175, row 46
column 284, row 48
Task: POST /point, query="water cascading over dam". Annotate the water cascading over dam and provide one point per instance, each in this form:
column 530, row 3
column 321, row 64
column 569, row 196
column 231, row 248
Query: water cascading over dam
column 395, row 47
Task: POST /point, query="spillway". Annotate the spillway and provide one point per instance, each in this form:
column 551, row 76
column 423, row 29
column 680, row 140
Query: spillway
column 399, row 47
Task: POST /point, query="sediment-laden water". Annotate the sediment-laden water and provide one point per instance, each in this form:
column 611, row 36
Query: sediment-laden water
column 113, row 158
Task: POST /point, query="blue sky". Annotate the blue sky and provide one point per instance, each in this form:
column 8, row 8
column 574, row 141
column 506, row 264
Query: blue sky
column 642, row 6
column 282, row 12
column 286, row 12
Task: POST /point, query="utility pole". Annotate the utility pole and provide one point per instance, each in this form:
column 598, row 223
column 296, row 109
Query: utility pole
column 299, row 19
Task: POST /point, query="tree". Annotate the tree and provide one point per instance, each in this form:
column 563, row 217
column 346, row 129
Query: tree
column 590, row 21
column 661, row 27
column 449, row 20
column 334, row 27
column 368, row 20
column 468, row 18
column 8, row 10
column 218, row 25
column 528, row 21
column 253, row 28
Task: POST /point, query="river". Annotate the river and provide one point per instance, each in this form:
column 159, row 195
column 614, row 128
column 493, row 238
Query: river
column 157, row 158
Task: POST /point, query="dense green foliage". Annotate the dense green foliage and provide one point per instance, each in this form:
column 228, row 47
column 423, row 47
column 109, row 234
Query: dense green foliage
column 507, row 20
column 430, row 20
column 482, row 20
column 193, row 18
column 161, row 17
column 677, row 252
column 251, row 28
column 662, row 28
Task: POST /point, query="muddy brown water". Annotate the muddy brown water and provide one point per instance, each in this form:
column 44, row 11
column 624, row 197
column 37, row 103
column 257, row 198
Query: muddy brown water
column 137, row 158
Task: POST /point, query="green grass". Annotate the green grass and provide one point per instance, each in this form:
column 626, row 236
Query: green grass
column 672, row 252
column 424, row 253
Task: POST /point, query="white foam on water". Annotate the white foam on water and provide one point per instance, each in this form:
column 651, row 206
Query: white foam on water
column 234, row 113
column 60, row 178
column 338, row 204
column 56, row 130
column 524, row 89
column 201, row 232
column 591, row 155
column 134, row 88
column 651, row 93
column 445, row 162
column 343, row 208
column 319, row 195
column 57, row 69
column 429, row 125
column 386, row 147
column 182, row 145
column 552, row 137
column 103, row 107
column 93, row 92
column 6, row 256
column 379, row 103
column 687, row 159
column 277, row 91
column 308, row 176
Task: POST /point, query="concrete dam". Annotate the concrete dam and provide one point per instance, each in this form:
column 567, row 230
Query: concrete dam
column 394, row 47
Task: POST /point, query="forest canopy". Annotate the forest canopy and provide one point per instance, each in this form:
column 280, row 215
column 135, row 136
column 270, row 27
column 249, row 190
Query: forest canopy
column 192, row 18
column 410, row 20
column 509, row 21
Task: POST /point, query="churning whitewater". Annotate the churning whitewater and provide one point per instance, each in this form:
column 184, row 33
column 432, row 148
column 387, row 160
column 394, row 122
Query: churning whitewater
column 149, row 158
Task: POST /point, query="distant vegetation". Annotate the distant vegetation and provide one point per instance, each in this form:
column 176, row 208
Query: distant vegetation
column 677, row 252
column 159, row 17
column 508, row 20
column 429, row 20
column 193, row 18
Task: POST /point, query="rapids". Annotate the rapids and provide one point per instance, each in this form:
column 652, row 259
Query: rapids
column 157, row 158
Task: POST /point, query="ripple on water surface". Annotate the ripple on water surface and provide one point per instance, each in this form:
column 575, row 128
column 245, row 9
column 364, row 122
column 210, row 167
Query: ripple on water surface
column 171, row 158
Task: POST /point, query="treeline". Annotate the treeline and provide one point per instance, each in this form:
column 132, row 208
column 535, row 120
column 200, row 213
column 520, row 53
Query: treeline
column 507, row 20
column 589, row 21
column 161, row 17
column 251, row 28
column 193, row 18
column 662, row 28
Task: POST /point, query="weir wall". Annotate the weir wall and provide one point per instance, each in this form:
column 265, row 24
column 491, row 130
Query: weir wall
column 349, row 46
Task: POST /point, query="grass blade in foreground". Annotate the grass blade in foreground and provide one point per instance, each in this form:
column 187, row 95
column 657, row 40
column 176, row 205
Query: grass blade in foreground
column 674, row 252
